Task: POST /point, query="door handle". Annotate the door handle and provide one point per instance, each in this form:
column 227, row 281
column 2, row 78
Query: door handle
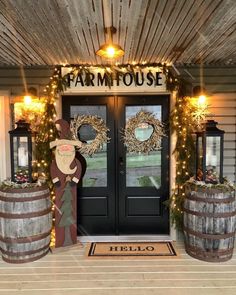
column 122, row 172
column 121, row 161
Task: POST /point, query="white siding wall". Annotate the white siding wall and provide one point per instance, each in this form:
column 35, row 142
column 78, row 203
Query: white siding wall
column 223, row 110
column 220, row 84
column 4, row 136
column 14, row 79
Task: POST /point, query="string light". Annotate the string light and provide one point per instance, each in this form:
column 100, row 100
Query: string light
column 47, row 132
column 184, row 124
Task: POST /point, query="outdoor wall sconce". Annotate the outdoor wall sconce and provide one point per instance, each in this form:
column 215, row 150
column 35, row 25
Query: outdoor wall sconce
column 30, row 95
column 110, row 50
column 209, row 153
column 200, row 94
column 21, row 141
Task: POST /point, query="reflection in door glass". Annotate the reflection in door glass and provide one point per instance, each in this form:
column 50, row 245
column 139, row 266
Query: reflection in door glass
column 143, row 131
column 96, row 172
column 143, row 170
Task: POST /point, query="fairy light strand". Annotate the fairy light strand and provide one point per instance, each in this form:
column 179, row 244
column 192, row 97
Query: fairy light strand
column 182, row 122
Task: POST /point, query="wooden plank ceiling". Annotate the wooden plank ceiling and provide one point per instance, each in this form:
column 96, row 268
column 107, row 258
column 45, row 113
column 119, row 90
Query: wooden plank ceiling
column 52, row 32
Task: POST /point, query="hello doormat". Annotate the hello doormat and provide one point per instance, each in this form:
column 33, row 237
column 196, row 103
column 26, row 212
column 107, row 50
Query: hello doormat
column 133, row 249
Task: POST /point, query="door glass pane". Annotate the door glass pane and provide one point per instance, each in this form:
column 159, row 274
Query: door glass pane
column 143, row 170
column 96, row 172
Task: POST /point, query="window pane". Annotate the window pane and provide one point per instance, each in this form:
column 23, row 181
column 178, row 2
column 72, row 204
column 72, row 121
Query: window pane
column 143, row 170
column 96, row 172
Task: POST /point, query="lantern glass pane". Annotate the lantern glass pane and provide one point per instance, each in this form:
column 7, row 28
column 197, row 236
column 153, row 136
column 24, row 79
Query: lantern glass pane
column 199, row 159
column 33, row 148
column 200, row 152
column 212, row 158
column 21, row 161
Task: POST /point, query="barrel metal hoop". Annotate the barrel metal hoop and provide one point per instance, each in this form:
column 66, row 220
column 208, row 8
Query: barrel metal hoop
column 200, row 251
column 25, row 215
column 29, row 190
column 208, row 258
column 206, row 214
column 208, row 236
column 18, row 254
column 25, row 239
column 25, row 260
column 211, row 200
column 10, row 199
column 19, row 192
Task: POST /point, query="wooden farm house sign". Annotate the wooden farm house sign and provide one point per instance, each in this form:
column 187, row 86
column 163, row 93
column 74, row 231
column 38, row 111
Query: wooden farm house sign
column 101, row 80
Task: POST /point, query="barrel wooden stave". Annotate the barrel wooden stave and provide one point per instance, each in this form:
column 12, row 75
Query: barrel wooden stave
column 19, row 253
column 208, row 237
column 25, row 227
column 24, row 247
column 19, row 208
column 25, row 224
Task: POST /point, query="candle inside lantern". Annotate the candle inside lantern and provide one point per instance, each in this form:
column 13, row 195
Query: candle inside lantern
column 22, row 156
column 211, row 159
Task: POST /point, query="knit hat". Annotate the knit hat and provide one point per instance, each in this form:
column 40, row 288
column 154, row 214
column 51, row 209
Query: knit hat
column 65, row 135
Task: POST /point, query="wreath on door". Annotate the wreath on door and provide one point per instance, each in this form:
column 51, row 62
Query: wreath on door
column 100, row 128
column 144, row 119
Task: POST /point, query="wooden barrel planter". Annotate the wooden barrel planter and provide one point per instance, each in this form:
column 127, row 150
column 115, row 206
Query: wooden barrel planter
column 25, row 223
column 209, row 222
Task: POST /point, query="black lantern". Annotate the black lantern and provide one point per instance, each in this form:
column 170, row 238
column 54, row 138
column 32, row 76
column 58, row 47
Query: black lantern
column 21, row 140
column 209, row 154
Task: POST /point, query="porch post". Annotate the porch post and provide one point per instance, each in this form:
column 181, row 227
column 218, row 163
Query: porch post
column 173, row 231
column 5, row 126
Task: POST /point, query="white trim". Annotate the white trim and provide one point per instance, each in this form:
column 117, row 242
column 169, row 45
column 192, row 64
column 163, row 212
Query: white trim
column 131, row 238
column 117, row 93
column 58, row 107
column 172, row 168
column 5, row 126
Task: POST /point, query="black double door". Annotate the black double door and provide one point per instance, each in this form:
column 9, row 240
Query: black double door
column 121, row 193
